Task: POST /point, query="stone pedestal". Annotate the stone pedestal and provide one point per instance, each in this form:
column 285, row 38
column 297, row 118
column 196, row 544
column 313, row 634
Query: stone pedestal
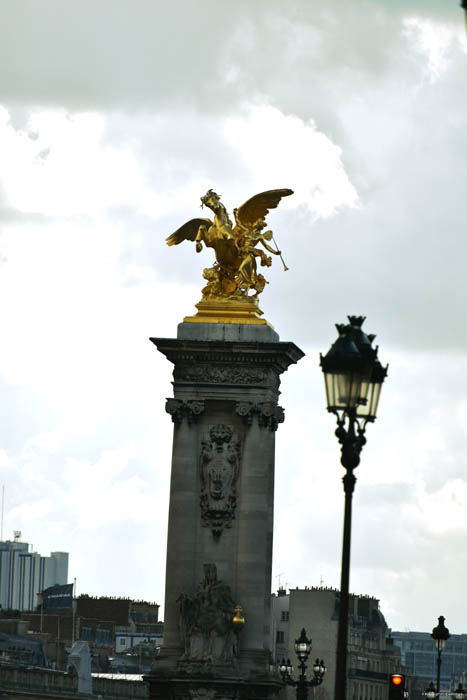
column 219, row 553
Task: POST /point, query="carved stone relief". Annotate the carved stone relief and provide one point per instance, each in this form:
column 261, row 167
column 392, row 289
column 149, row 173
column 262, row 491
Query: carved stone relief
column 219, row 470
column 217, row 374
column 206, row 621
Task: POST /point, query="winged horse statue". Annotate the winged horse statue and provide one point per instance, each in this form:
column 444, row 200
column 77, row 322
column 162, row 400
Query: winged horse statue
column 235, row 271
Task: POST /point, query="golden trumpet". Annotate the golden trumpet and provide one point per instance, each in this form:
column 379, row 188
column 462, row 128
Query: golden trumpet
column 280, row 254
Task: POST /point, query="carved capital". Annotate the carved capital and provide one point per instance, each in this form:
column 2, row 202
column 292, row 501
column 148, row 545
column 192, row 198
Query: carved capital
column 245, row 409
column 175, row 409
column 194, row 409
column 191, row 410
column 268, row 413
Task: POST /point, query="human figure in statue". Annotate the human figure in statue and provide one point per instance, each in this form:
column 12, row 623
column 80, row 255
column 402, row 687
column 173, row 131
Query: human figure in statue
column 206, row 620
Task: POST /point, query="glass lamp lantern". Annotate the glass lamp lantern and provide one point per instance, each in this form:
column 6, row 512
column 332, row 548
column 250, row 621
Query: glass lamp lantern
column 302, row 646
column 440, row 634
column 353, row 374
column 319, row 669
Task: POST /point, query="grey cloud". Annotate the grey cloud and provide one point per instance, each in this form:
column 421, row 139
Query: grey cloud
column 88, row 55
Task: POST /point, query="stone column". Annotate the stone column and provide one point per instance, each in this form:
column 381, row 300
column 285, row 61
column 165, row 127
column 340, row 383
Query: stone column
column 219, row 549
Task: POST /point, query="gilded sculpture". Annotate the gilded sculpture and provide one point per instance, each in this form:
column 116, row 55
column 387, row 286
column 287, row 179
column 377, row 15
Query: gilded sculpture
column 234, row 282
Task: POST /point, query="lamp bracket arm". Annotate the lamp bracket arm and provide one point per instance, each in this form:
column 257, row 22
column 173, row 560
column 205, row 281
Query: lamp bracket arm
column 351, row 438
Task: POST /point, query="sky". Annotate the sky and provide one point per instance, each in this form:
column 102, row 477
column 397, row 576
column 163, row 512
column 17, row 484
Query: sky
column 115, row 118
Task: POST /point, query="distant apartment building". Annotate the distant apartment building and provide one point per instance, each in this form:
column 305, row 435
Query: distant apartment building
column 419, row 656
column 109, row 625
column 119, row 623
column 24, row 574
column 128, row 640
column 371, row 657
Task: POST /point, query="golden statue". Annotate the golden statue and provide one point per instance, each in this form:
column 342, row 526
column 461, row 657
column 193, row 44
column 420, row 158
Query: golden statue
column 226, row 297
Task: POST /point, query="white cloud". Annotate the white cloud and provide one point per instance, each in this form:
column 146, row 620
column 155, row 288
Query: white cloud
column 46, row 167
column 285, row 151
column 434, row 41
column 6, row 462
column 60, row 166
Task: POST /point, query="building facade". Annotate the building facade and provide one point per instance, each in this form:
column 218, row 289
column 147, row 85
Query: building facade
column 372, row 655
column 107, row 624
column 24, row 574
column 419, row 656
column 128, row 640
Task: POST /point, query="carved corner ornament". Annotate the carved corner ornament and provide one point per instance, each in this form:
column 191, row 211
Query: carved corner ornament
column 219, row 470
column 268, row 413
column 191, row 410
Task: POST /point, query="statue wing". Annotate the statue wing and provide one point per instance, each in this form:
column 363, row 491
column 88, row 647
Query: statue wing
column 188, row 231
column 258, row 206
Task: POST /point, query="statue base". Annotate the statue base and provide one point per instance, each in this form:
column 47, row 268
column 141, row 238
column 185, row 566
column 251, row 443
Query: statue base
column 224, row 310
column 204, row 686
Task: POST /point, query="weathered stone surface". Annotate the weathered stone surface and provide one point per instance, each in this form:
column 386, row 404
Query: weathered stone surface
column 195, row 687
column 233, row 332
column 233, row 384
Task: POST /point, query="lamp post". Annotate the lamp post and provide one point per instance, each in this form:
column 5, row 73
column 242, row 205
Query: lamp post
column 459, row 693
column 302, row 648
column 441, row 635
column 353, row 377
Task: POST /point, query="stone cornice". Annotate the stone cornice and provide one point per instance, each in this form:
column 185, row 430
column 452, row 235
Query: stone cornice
column 278, row 356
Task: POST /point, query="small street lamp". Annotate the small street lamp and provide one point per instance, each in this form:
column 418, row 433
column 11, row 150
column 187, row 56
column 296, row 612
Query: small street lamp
column 441, row 635
column 459, row 693
column 302, row 648
column 353, row 378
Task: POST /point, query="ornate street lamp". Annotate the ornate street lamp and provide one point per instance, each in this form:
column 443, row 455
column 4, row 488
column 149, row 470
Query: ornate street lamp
column 302, row 648
column 441, row 635
column 353, row 377
column 459, row 693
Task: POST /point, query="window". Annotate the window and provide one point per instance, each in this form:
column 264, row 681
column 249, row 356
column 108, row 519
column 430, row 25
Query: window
column 279, row 637
column 103, row 637
column 285, row 616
